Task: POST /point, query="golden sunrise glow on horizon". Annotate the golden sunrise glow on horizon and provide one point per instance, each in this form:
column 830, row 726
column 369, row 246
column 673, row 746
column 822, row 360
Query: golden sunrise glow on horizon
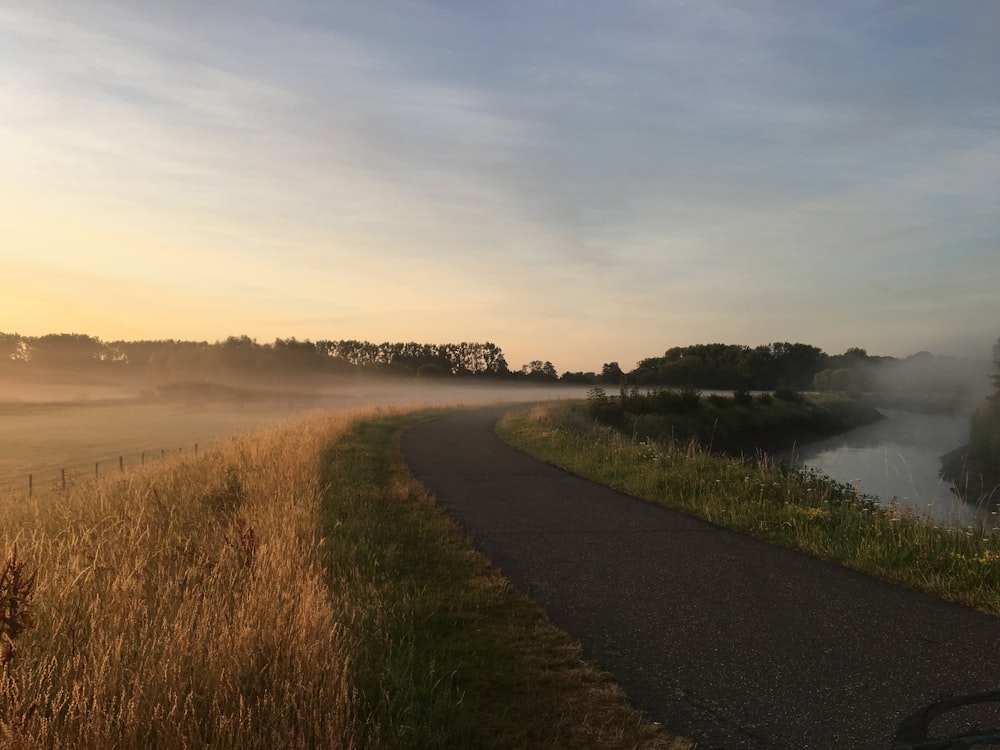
column 578, row 187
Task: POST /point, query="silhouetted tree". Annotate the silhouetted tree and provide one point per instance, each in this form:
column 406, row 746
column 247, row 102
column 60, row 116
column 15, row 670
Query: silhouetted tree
column 538, row 370
column 612, row 374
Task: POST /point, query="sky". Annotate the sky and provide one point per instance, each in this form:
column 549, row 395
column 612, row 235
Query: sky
column 576, row 181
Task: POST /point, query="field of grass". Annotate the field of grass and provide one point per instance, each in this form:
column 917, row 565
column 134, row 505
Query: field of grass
column 183, row 605
column 44, row 439
column 797, row 509
column 291, row 587
column 48, row 428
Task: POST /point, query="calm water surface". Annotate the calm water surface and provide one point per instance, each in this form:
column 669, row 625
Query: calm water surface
column 899, row 458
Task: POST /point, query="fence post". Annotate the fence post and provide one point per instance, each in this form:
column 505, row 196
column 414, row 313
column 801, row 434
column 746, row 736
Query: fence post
column 121, row 464
column 31, row 485
column 63, row 479
column 196, row 449
column 96, row 472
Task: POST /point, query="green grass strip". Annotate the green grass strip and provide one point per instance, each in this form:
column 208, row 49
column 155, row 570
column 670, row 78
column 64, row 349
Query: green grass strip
column 446, row 653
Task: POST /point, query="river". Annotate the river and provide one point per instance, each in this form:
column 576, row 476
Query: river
column 899, row 458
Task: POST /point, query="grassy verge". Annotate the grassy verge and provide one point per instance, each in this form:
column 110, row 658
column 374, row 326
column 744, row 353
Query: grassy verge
column 290, row 588
column 446, row 653
column 799, row 509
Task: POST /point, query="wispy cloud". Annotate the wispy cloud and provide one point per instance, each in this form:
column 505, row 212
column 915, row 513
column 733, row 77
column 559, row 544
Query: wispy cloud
column 677, row 170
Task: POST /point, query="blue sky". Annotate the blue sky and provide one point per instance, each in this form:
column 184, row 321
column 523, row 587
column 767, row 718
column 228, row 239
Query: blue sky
column 575, row 181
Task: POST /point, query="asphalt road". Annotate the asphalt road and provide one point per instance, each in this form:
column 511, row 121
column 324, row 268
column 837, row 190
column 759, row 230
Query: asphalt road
column 731, row 641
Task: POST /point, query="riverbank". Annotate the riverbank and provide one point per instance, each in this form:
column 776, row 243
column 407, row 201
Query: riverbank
column 798, row 509
column 977, row 480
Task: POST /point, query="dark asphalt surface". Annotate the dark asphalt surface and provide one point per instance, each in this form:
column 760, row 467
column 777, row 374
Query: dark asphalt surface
column 725, row 639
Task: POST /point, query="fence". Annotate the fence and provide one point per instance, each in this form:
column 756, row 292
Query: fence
column 59, row 480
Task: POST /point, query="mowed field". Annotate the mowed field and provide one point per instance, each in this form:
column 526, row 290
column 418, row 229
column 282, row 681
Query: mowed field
column 84, row 429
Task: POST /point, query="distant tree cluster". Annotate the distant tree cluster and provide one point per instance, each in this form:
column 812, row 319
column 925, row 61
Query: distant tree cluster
column 462, row 360
column 611, row 374
column 731, row 366
column 244, row 356
column 802, row 367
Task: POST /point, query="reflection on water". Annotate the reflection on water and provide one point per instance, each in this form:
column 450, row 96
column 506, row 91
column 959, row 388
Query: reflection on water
column 899, row 458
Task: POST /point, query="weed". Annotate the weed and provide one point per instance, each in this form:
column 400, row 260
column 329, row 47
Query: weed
column 17, row 588
column 229, row 493
column 244, row 543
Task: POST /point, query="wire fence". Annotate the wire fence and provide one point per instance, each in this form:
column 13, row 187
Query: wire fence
column 54, row 478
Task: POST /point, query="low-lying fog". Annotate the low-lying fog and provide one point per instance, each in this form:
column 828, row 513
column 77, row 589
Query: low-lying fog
column 357, row 391
column 88, row 427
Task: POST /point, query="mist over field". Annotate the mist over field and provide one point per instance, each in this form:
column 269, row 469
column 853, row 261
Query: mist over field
column 61, row 420
column 73, row 402
column 926, row 373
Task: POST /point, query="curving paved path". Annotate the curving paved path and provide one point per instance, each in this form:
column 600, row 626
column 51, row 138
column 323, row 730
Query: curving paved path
column 725, row 639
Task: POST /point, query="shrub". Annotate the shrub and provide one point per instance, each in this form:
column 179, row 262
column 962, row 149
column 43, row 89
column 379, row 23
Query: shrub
column 790, row 395
column 604, row 409
column 690, row 398
column 984, row 433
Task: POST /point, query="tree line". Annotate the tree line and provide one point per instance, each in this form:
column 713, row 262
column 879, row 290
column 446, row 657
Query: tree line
column 242, row 355
column 705, row 366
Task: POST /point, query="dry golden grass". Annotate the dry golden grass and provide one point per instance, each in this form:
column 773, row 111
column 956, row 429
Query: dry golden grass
column 182, row 606
column 195, row 603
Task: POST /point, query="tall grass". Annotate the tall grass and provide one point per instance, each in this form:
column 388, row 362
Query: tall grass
column 293, row 588
column 803, row 509
column 185, row 605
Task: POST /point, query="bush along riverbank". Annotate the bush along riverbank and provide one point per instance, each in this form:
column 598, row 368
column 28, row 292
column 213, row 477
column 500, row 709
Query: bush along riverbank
column 974, row 468
column 740, row 424
column 799, row 509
